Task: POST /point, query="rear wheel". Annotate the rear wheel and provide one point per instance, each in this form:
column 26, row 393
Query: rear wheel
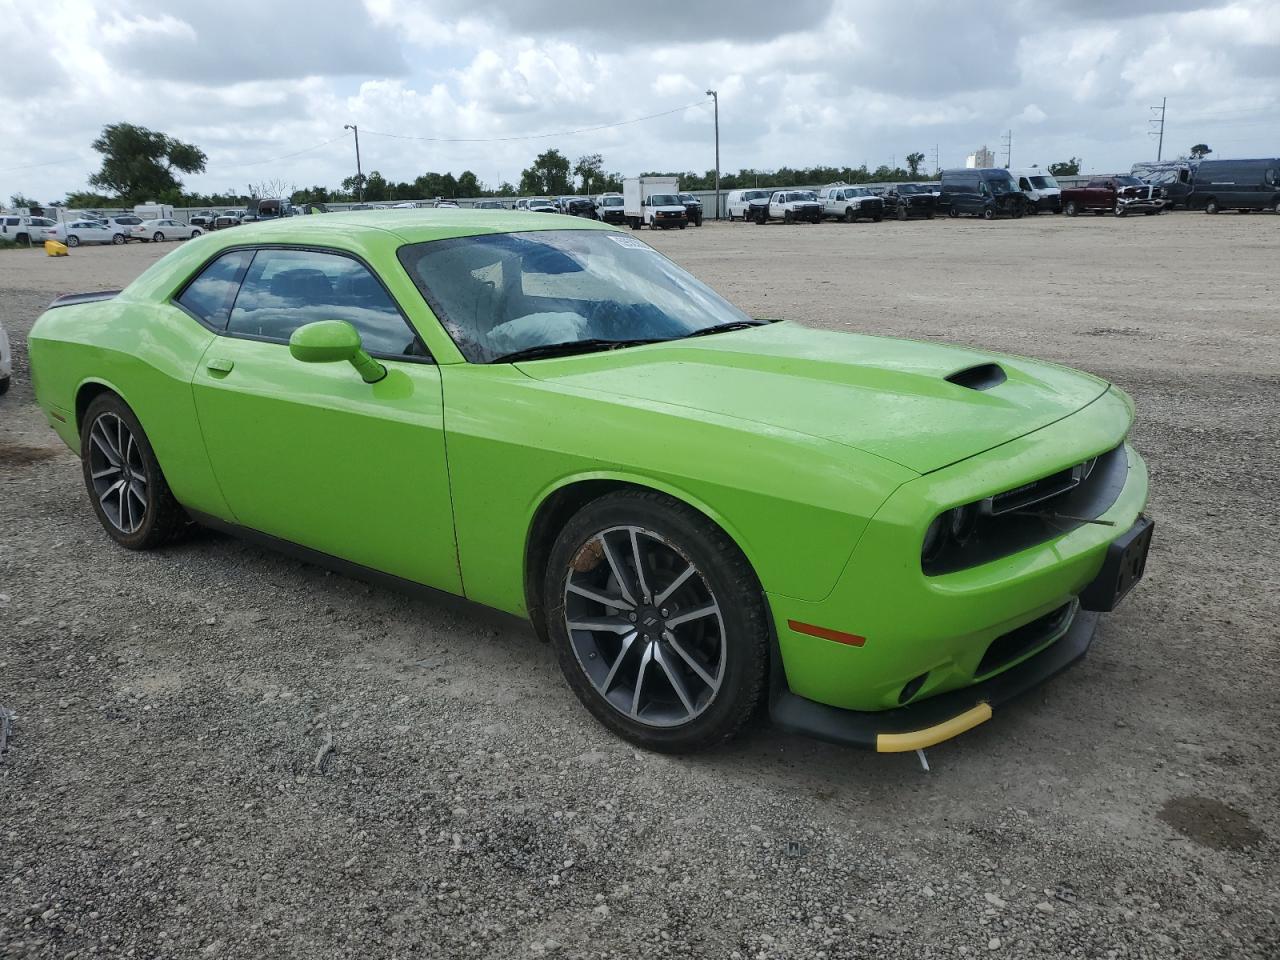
column 1211, row 206
column 657, row 621
column 73, row 240
column 117, row 238
column 21, row 238
column 157, row 236
column 1276, row 208
column 194, row 234
column 1071, row 209
column 902, row 212
column 988, row 213
column 125, row 484
column 953, row 213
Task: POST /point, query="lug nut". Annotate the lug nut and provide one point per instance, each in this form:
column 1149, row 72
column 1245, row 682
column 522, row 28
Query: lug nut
column 633, row 617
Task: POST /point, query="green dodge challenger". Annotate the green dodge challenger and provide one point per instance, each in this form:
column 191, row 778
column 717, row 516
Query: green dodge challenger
column 702, row 512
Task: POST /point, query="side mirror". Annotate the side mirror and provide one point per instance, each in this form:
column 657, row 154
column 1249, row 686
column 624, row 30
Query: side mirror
column 331, row 341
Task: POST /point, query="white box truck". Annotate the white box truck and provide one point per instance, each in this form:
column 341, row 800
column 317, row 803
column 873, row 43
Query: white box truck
column 654, row 201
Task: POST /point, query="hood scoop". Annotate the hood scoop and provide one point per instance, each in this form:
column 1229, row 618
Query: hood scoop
column 984, row 376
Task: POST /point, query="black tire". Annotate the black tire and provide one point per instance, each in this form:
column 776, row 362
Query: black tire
column 1071, row 209
column 788, row 216
column 877, row 219
column 902, row 212
column 849, row 216
column 4, row 385
column 195, row 233
column 722, row 569
column 1211, row 206
column 117, row 238
column 1148, row 213
column 988, row 213
column 163, row 519
column 1119, row 210
column 73, row 240
column 952, row 212
column 158, row 237
column 21, row 238
column 929, row 215
column 635, row 224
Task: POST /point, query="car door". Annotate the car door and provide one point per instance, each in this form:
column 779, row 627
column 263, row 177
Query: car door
column 309, row 452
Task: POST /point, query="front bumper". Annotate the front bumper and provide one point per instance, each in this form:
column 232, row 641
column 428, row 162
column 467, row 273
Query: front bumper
column 939, row 630
column 1140, row 203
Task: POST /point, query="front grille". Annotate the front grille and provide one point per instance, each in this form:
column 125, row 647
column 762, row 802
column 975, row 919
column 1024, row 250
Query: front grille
column 1035, row 513
column 1016, row 643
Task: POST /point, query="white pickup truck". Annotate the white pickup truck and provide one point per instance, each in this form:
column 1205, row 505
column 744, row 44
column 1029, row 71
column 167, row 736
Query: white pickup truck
column 850, row 204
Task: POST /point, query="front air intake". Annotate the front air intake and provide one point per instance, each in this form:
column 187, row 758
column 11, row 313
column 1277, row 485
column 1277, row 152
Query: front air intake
column 982, row 377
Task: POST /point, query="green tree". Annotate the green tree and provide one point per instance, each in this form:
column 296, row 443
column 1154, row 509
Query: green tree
column 1065, row 168
column 469, row 185
column 138, row 164
column 913, row 164
column 18, row 200
column 1200, row 151
column 352, row 185
column 548, row 174
column 590, row 170
column 375, row 187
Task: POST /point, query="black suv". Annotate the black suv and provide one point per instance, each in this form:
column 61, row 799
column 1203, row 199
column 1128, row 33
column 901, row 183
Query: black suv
column 692, row 206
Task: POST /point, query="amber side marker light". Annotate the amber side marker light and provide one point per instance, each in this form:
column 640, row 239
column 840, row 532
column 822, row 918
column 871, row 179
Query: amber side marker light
column 839, row 636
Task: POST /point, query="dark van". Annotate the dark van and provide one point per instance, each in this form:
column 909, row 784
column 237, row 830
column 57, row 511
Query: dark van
column 982, row 192
column 1242, row 185
column 1173, row 177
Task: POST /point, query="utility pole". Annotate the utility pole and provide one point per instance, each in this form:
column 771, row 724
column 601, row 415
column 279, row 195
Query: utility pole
column 1158, row 126
column 1008, row 150
column 715, row 100
column 937, row 163
column 359, row 175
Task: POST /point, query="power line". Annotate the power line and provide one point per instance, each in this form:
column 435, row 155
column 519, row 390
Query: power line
column 1008, row 149
column 538, row 136
column 296, row 153
column 47, row 163
column 1158, row 124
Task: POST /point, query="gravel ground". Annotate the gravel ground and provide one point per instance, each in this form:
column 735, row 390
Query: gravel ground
column 160, row 796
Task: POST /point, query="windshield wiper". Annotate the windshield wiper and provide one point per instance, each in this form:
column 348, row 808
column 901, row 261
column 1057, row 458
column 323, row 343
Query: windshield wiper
column 725, row 328
column 567, row 348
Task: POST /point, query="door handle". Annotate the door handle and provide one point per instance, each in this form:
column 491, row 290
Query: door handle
column 218, row 365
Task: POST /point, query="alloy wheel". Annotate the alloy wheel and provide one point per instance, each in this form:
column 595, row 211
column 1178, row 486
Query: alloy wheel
column 117, row 472
column 645, row 626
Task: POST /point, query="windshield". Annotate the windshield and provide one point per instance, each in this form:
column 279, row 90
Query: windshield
column 611, row 202
column 1003, row 184
column 804, row 195
column 1130, row 182
column 1044, row 183
column 664, row 200
column 501, row 293
column 910, row 188
column 755, row 194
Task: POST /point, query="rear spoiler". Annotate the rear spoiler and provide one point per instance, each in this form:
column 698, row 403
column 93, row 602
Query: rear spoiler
column 67, row 299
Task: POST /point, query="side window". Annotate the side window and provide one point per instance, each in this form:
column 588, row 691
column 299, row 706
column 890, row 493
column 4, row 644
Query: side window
column 285, row 289
column 1024, row 183
column 210, row 295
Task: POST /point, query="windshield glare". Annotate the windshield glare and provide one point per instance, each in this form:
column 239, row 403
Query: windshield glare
column 1044, row 183
column 664, row 200
column 500, row 293
column 1130, row 182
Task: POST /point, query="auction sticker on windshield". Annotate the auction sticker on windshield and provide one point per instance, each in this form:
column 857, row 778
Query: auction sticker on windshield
column 624, row 241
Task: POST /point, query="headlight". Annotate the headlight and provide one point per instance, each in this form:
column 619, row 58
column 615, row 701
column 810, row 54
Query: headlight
column 934, row 538
column 955, row 526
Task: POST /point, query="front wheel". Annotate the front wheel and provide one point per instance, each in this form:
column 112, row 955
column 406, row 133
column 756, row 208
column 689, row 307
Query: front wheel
column 988, row 213
column 1119, row 210
column 788, row 217
column 1211, row 206
column 657, row 620
column 849, row 215
column 117, row 238
column 73, row 241
column 157, row 236
column 1071, row 209
column 125, row 484
column 194, row 234
column 952, row 212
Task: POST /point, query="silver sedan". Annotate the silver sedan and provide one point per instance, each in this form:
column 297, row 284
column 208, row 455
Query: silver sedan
column 159, row 230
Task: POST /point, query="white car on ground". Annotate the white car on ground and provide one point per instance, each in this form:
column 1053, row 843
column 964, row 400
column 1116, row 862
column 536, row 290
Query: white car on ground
column 75, row 232
column 791, row 206
column 1040, row 189
column 159, row 230
column 6, row 361
column 739, row 200
column 23, row 230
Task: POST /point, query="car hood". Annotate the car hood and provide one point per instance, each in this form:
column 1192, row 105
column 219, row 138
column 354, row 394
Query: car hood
column 890, row 398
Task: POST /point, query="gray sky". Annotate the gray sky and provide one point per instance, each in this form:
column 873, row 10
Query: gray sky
column 811, row 81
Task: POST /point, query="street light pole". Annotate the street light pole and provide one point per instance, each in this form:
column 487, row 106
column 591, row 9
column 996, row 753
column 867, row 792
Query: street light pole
column 359, row 175
column 715, row 99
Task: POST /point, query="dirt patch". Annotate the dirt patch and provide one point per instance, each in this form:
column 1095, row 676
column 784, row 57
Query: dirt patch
column 20, row 453
column 1211, row 823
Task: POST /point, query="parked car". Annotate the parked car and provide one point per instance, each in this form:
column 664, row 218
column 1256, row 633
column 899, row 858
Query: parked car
column 1119, row 195
column 662, row 211
column 738, row 202
column 789, row 206
column 906, row 200
column 75, row 232
column 27, row 230
column 6, row 362
column 960, row 518
column 1040, row 189
column 610, row 208
column 581, row 207
column 692, row 207
column 160, row 230
column 522, row 204
column 850, row 204
column 202, row 219
column 541, row 205
column 1241, row 185
column 490, row 205
column 228, row 218
column 985, row 192
column 445, row 204
column 124, row 223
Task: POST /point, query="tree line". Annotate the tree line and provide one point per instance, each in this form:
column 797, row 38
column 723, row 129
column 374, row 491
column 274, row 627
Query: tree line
column 141, row 165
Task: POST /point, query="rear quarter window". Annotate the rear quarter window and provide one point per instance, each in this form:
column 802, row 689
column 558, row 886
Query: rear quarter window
column 209, row 296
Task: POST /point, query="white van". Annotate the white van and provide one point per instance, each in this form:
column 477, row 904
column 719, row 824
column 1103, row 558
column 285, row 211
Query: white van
column 739, row 200
column 1040, row 189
